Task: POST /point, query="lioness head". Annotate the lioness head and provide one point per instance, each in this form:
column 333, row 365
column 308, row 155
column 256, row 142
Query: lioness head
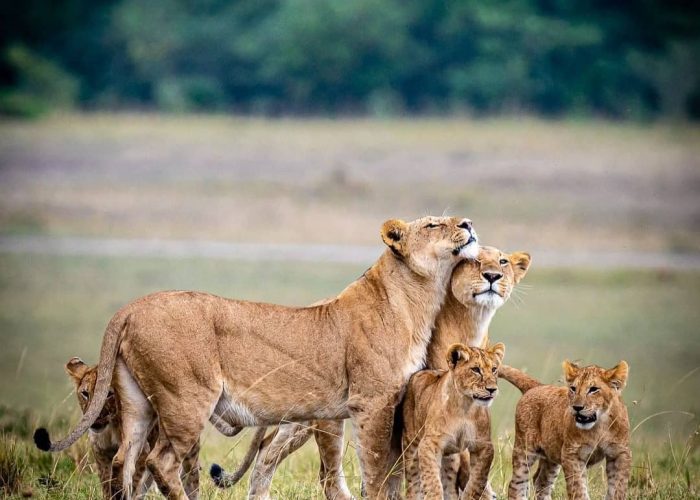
column 592, row 390
column 475, row 371
column 488, row 280
column 84, row 378
column 427, row 244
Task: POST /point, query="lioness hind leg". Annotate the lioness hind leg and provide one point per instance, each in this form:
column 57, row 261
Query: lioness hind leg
column 329, row 438
column 287, row 439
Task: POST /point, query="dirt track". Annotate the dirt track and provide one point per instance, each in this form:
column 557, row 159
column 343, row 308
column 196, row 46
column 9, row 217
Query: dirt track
column 346, row 254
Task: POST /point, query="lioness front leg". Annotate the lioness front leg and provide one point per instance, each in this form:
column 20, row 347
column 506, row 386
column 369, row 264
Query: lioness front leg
column 429, row 464
column 373, row 423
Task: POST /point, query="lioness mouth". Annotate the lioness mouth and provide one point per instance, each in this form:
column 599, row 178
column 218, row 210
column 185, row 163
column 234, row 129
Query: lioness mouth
column 459, row 248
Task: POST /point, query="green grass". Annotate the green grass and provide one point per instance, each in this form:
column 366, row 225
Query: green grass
column 53, row 308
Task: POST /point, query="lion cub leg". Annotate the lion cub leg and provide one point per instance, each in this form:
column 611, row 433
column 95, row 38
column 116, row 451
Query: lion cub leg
column 482, row 457
column 520, row 482
column 190, row 473
column 545, row 477
column 617, row 471
column 329, row 438
column 575, row 475
column 449, row 473
column 429, row 464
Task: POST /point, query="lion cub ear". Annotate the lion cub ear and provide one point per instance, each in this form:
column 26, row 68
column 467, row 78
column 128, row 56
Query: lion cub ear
column 570, row 370
column 457, row 353
column 617, row 376
column 394, row 235
column 521, row 263
column 76, row 368
column 498, row 350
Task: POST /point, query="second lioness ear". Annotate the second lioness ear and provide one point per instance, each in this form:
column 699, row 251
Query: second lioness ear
column 394, row 235
column 521, row 263
column 76, row 368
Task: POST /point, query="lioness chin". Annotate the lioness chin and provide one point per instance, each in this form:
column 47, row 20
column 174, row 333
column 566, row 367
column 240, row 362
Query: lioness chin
column 178, row 357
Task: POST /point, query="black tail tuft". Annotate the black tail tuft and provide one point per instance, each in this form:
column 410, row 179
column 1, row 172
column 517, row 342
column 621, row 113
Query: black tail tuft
column 41, row 439
column 215, row 471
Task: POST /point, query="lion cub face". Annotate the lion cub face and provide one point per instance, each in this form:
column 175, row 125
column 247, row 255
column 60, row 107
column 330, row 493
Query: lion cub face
column 431, row 244
column 475, row 371
column 592, row 390
column 84, row 378
column 489, row 280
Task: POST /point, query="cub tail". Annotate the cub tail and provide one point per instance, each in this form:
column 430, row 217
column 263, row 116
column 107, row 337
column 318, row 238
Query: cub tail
column 518, row 378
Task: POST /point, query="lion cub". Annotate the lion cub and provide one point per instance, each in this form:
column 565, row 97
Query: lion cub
column 436, row 423
column 573, row 428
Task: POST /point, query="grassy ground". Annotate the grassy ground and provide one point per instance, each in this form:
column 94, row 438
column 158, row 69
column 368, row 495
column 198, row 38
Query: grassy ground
column 56, row 307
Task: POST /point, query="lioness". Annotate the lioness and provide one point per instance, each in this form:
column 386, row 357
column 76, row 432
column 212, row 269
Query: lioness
column 437, row 422
column 180, row 356
column 105, row 436
column 477, row 289
column 574, row 428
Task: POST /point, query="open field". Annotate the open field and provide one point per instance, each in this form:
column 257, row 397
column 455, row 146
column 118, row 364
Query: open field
column 574, row 194
column 525, row 183
column 56, row 307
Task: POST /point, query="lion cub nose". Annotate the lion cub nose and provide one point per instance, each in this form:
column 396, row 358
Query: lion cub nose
column 492, row 277
column 577, row 407
column 492, row 389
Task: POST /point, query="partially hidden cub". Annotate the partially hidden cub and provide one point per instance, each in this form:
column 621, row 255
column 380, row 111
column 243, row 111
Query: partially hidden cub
column 437, row 419
column 572, row 428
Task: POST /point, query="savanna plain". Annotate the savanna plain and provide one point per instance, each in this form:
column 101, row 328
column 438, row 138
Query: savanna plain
column 551, row 188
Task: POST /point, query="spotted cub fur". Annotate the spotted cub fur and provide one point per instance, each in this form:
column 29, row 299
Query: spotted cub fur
column 436, row 413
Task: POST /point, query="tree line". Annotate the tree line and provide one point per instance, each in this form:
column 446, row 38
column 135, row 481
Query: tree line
column 615, row 59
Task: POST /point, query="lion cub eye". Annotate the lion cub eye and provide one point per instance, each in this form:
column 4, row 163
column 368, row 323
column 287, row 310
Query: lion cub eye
column 503, row 262
column 476, row 370
column 593, row 390
column 572, row 388
column 85, row 394
column 493, row 370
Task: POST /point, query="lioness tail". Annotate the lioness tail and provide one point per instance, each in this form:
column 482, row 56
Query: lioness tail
column 225, row 479
column 105, row 369
column 519, row 379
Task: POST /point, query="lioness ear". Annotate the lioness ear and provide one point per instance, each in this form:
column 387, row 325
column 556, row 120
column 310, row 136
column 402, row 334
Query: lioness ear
column 521, row 263
column 498, row 350
column 394, row 235
column 76, row 368
column 570, row 370
column 617, row 376
column 455, row 353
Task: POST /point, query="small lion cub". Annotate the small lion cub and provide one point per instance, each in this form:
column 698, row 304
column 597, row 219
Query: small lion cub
column 574, row 428
column 435, row 412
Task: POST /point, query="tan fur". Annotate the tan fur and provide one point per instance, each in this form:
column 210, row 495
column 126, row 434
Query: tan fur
column 574, row 428
column 180, row 356
column 436, row 415
column 105, row 436
column 464, row 317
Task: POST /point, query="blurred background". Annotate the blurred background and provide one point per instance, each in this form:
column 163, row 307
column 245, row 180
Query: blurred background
column 252, row 149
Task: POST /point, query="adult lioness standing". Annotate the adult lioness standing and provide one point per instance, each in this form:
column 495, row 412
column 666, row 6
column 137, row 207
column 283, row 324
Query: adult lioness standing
column 189, row 354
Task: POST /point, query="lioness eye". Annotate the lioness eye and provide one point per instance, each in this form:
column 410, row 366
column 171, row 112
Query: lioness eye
column 85, row 394
column 503, row 262
column 431, row 226
column 476, row 370
column 572, row 388
column 592, row 390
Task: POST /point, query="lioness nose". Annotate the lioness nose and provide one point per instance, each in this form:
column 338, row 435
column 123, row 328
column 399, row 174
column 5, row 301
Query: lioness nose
column 465, row 224
column 491, row 277
column 577, row 407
